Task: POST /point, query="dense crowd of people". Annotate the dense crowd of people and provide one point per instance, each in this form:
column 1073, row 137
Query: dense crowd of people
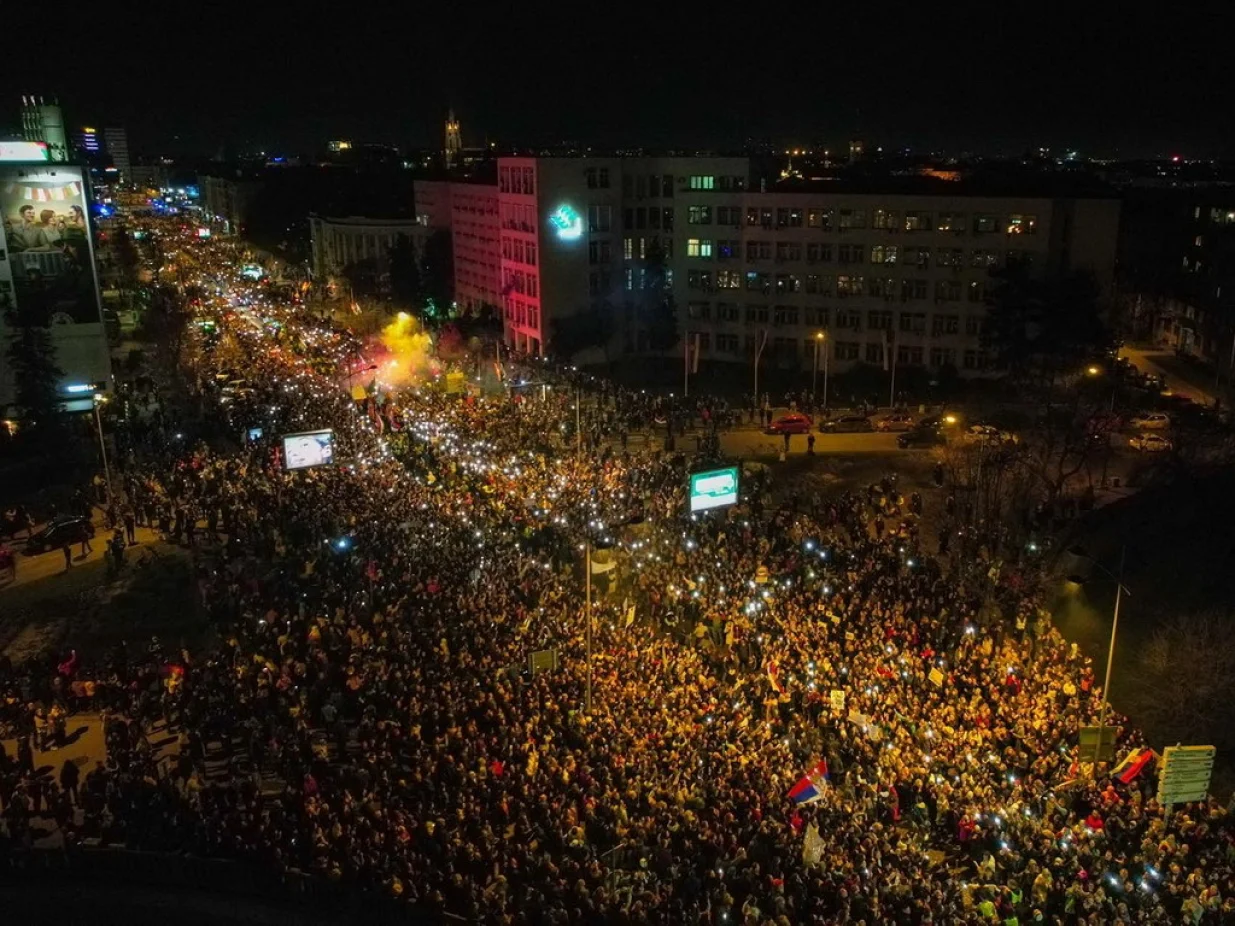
column 376, row 619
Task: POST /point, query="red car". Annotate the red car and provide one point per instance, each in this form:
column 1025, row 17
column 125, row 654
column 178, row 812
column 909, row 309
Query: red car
column 793, row 423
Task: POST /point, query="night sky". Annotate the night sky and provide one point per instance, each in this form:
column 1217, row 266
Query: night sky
column 967, row 79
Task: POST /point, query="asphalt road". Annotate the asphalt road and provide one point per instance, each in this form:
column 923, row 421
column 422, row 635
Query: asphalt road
column 1147, row 362
column 43, row 565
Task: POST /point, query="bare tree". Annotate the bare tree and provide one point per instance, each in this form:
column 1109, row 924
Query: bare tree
column 1185, row 683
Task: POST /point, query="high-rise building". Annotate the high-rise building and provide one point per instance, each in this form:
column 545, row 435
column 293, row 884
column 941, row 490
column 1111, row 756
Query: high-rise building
column 87, row 143
column 454, row 140
column 901, row 265
column 116, row 141
column 469, row 212
column 43, row 121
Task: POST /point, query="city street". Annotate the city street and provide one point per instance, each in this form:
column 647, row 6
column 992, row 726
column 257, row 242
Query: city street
column 44, row 565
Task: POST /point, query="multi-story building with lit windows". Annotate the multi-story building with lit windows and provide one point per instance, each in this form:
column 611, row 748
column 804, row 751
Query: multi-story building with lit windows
column 469, row 212
column 900, row 265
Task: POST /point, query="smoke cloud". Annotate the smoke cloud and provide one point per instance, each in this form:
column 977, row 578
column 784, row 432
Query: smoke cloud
column 409, row 352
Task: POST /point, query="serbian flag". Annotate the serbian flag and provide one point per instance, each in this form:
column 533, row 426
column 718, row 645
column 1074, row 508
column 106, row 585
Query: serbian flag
column 810, row 786
column 774, row 677
column 1132, row 765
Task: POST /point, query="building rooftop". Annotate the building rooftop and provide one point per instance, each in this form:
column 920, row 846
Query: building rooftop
column 367, row 220
column 945, row 182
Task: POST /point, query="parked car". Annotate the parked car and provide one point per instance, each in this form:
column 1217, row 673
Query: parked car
column 1150, row 443
column 897, row 421
column 921, row 437
column 1150, row 421
column 59, row 532
column 793, row 423
column 846, row 424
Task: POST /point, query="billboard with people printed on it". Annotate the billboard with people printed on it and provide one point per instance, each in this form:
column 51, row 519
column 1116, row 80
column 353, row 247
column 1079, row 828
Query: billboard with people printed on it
column 47, row 270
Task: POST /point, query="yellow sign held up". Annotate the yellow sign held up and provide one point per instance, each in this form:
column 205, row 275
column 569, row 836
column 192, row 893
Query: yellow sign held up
column 455, row 382
column 359, row 393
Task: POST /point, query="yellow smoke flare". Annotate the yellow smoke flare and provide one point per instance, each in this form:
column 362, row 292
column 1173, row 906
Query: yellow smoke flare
column 410, row 349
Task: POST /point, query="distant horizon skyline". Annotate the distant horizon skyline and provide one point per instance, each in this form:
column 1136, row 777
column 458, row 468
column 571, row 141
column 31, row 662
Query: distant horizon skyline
column 956, row 80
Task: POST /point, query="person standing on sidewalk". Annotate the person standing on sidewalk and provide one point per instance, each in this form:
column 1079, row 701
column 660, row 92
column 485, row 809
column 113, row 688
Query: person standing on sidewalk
column 70, row 776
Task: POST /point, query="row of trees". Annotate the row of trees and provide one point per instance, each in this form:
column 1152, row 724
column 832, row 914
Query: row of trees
column 421, row 282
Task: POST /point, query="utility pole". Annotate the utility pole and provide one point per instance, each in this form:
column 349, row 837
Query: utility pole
column 686, row 365
column 827, row 352
column 892, row 388
column 1110, row 655
column 99, row 399
column 578, row 422
column 763, row 340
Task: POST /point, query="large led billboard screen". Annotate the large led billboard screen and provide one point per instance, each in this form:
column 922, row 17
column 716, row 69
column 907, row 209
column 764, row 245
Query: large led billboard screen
column 50, row 272
column 715, row 488
column 308, row 449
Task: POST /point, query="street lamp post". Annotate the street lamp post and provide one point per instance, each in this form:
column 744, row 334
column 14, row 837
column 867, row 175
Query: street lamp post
column 1120, row 591
column 99, row 399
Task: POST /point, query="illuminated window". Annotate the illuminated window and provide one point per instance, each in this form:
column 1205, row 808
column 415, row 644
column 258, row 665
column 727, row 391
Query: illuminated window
column 951, row 222
column 790, row 217
column 884, row 253
column 983, row 257
column 917, row 221
column 702, row 182
column 698, row 247
column 729, row 279
column 698, row 215
column 1022, row 224
column 788, row 283
column 883, row 218
column 819, row 218
column 628, row 248
column 700, row 280
column 985, row 223
column 758, row 282
column 850, row 286
column 949, row 257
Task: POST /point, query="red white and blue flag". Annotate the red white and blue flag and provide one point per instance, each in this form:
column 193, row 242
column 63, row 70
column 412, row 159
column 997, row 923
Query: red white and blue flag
column 810, row 786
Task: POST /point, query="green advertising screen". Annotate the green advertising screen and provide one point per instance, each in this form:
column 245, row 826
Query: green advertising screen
column 715, row 488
